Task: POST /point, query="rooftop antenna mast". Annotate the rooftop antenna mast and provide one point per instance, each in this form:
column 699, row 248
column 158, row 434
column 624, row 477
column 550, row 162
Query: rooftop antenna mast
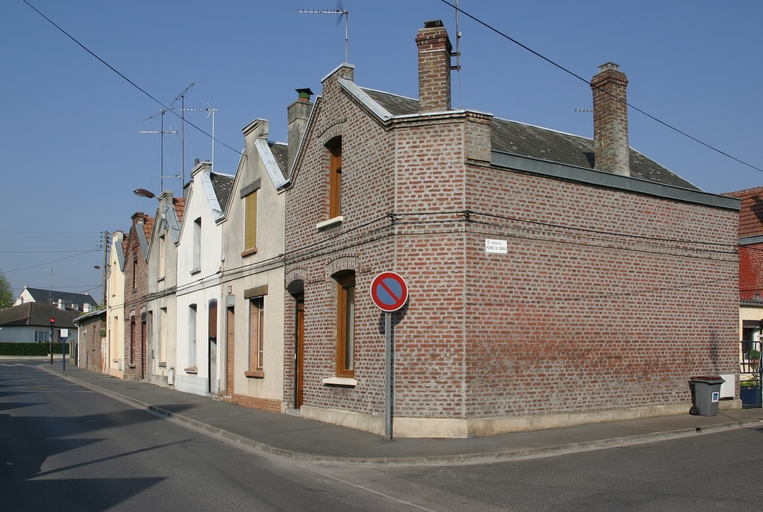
column 210, row 112
column 457, row 54
column 181, row 97
column 341, row 11
column 162, row 132
column 50, row 291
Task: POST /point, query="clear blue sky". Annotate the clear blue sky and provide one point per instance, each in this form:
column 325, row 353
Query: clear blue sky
column 72, row 151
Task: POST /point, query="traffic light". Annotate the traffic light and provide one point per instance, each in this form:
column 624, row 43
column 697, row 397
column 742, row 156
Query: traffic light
column 52, row 322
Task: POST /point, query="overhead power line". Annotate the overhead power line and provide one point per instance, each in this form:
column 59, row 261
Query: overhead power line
column 127, row 79
column 555, row 64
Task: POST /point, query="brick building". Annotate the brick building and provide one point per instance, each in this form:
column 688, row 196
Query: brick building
column 553, row 279
column 135, row 291
column 91, row 350
column 750, row 272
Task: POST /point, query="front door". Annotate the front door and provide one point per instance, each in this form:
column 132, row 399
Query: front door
column 143, row 357
column 299, row 351
column 231, row 323
column 212, row 359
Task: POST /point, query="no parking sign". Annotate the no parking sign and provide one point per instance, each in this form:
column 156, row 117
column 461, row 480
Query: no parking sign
column 389, row 291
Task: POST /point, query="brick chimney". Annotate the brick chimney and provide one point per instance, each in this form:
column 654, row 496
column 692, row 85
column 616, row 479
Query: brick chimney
column 610, row 120
column 298, row 113
column 434, row 67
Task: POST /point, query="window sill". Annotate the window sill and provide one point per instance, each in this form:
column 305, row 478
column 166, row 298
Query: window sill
column 336, row 221
column 191, row 371
column 195, row 271
column 249, row 252
column 257, row 374
column 340, row 381
column 162, row 365
column 160, row 279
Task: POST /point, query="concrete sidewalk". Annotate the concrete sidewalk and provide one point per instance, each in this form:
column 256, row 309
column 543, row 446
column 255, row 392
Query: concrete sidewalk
column 294, row 437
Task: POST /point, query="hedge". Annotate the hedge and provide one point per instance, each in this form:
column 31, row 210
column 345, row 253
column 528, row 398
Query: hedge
column 29, row 349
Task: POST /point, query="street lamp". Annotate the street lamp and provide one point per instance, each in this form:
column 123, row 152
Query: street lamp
column 142, row 192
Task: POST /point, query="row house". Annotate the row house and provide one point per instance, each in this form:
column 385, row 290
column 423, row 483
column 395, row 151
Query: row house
column 199, row 267
column 554, row 279
column 115, row 294
column 135, row 288
column 161, row 287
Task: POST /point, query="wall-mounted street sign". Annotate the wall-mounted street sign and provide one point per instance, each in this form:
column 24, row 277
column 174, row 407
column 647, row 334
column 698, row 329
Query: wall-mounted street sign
column 389, row 291
column 496, row 246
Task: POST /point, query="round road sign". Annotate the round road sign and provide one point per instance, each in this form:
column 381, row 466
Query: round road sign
column 389, row 291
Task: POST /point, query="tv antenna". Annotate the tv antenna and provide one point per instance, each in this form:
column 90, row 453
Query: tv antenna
column 50, row 290
column 341, row 11
column 181, row 97
column 161, row 132
column 210, row 112
column 457, row 55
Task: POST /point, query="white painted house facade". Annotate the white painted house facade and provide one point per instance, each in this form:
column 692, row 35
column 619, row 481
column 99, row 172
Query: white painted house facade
column 199, row 267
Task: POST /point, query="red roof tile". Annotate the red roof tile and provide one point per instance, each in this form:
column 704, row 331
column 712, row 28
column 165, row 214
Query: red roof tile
column 751, row 215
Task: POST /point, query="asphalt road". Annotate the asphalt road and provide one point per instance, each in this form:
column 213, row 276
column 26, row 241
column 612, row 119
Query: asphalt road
column 63, row 447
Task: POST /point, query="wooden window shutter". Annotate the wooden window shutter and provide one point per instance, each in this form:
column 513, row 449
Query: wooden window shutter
column 250, row 238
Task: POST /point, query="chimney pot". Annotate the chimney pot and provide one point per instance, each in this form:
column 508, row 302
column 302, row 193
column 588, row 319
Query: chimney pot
column 304, row 95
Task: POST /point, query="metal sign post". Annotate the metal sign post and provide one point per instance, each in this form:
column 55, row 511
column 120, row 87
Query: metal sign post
column 389, row 293
column 387, row 376
column 52, row 336
column 63, row 335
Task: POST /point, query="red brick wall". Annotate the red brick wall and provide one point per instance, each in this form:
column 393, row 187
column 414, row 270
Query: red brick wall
column 256, row 403
column 135, row 303
column 602, row 301
column 750, row 272
column 90, row 354
column 605, row 299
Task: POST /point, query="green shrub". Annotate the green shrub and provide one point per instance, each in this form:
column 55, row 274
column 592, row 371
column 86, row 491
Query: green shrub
column 30, row 349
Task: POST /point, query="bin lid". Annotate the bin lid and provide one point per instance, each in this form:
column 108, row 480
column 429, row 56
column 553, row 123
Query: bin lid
column 714, row 379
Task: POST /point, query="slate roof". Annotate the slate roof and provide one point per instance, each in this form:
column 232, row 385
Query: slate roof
column 222, row 184
column 37, row 314
column 42, row 296
column 751, row 215
column 280, row 153
column 542, row 143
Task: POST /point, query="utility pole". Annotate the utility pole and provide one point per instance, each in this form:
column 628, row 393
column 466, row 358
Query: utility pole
column 105, row 263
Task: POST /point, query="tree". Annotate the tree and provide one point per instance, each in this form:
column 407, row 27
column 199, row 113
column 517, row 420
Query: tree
column 6, row 292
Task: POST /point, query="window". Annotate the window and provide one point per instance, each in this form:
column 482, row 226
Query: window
column 250, row 222
column 41, row 336
column 256, row 338
column 114, row 331
column 132, row 339
column 345, row 329
column 335, row 189
column 162, row 249
column 162, row 349
column 192, row 336
column 134, row 271
column 196, row 246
